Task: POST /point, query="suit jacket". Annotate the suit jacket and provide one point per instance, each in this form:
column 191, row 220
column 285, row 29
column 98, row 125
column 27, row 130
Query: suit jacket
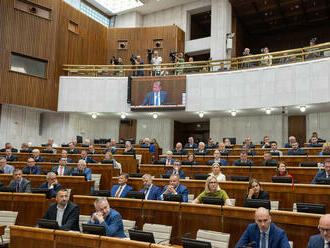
column 316, row 241
column 123, row 193
column 181, row 173
column 11, row 158
column 277, row 237
column 87, row 171
column 112, row 150
column 67, row 170
column 171, row 161
column 154, row 192
column 35, row 170
column 294, row 152
column 248, row 163
column 24, row 187
column 12, row 150
column 29, row 150
column 222, row 162
column 287, row 145
column 52, row 192
column 70, row 219
column 205, row 152
column 39, row 159
column 181, row 152
column 74, row 151
column 151, row 148
column 149, row 100
column 88, row 160
column 68, row 160
column 181, row 190
column 321, row 174
column 188, row 145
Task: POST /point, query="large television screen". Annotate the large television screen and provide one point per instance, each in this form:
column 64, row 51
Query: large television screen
column 158, row 93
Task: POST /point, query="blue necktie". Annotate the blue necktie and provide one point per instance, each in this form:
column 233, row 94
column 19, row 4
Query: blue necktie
column 157, row 100
column 263, row 240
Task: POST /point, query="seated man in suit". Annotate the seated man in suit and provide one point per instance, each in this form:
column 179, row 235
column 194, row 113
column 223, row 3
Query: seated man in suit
column 178, row 150
column 88, row 159
column 222, row 149
column 36, row 155
column 156, row 97
column 107, row 217
column 266, row 143
column 210, row 144
column 247, row 141
column 314, row 134
column 268, row 160
column 175, row 188
column 86, row 143
column 296, row 150
column 314, row 142
column 72, row 149
column 32, row 168
column 263, row 233
column 218, row 159
column 323, row 173
column 62, row 169
column 248, row 150
column 25, row 148
column 273, row 148
column 4, row 167
column 110, row 147
column 8, row 146
column 321, row 240
column 49, row 149
column 51, row 184
column 150, row 191
column 191, row 143
column 147, row 144
column 168, row 160
column 243, row 160
column 120, row 190
column 201, row 149
column 64, row 154
column 65, row 212
column 9, row 156
column 177, row 170
column 91, row 150
column 292, row 140
column 83, row 170
column 19, row 183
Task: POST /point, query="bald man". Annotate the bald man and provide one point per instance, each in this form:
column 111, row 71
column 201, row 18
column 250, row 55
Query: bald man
column 263, row 233
column 321, row 240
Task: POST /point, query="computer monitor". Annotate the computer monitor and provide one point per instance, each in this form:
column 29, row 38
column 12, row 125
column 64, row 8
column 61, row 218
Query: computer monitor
column 107, row 161
column 256, row 203
column 165, row 176
column 141, row 236
column 299, row 153
column 201, row 176
column 131, row 140
column 311, row 208
column 96, row 229
column 137, row 175
column 79, row 174
column 224, row 153
column 282, row 179
column 308, row 164
column 239, row 178
column 49, row 224
column 275, row 153
column 100, row 193
column 135, row 195
column 193, row 243
column 317, row 145
column 47, row 151
column 325, row 153
column 271, row 163
column 175, row 198
column 159, row 162
column 187, row 162
column 322, row 180
column 200, row 153
column 242, row 164
column 7, row 189
column 213, row 201
column 79, row 139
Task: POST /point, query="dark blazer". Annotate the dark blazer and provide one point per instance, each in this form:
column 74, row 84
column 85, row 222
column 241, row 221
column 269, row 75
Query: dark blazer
column 237, row 161
column 181, row 152
column 222, row 162
column 24, row 187
column 151, row 148
column 70, row 219
column 204, row 152
column 171, row 161
column 74, row 151
column 95, row 152
column 271, row 162
column 11, row 158
column 29, row 150
column 263, row 195
column 87, row 171
column 316, row 241
column 188, row 145
column 12, row 150
column 68, row 160
column 67, row 170
column 277, row 237
column 35, row 170
column 39, row 159
column 123, row 193
column 321, row 174
column 88, row 160
column 181, row 190
column 112, row 150
column 287, row 145
column 149, row 100
column 52, row 192
column 299, row 151
column 182, row 175
column 154, row 192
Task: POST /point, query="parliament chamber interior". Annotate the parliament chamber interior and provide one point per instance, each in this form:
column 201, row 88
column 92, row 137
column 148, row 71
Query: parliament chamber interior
column 165, row 123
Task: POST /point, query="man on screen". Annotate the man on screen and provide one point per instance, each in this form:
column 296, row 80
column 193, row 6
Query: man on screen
column 156, row 97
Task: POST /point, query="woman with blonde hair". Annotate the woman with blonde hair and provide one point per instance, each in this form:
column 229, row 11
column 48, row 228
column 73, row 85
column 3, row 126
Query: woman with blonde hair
column 216, row 172
column 212, row 189
column 325, row 148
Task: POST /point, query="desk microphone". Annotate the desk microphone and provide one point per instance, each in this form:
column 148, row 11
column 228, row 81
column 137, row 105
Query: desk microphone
column 188, row 234
column 249, row 245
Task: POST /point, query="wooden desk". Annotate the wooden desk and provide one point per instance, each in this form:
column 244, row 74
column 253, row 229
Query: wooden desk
column 2, row 229
column 66, row 239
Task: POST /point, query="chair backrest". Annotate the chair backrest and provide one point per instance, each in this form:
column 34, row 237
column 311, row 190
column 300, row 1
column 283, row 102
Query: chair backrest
column 119, row 166
column 232, row 201
column 7, row 218
column 83, row 219
column 128, row 224
column 291, row 244
column 69, row 192
column 274, row 205
column 191, row 197
column 139, row 158
column 161, row 232
column 217, row 239
column 96, row 178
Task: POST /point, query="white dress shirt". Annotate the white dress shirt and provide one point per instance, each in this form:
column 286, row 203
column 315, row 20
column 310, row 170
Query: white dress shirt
column 59, row 215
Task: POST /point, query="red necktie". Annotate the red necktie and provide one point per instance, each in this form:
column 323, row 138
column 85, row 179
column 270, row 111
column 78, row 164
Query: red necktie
column 61, row 171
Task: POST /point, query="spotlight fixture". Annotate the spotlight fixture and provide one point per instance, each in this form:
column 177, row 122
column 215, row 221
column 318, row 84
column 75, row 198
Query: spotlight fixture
column 233, row 112
column 155, row 115
column 94, row 115
column 268, row 111
column 123, row 115
column 201, row 114
column 302, row 108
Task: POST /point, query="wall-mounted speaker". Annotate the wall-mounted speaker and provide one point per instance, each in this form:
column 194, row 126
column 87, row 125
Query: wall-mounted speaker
column 158, row 43
column 122, row 44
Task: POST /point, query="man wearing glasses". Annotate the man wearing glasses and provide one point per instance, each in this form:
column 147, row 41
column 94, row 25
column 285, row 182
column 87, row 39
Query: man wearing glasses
column 321, row 240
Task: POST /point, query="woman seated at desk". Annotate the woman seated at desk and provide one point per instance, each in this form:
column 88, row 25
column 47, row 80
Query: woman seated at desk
column 281, row 170
column 212, row 189
column 325, row 149
column 190, row 161
column 216, row 172
column 255, row 192
column 108, row 159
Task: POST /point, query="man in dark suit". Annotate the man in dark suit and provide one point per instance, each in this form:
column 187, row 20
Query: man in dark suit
column 64, row 154
column 177, row 170
column 65, row 212
column 168, row 160
column 62, row 169
column 9, row 156
column 321, row 240
column 84, row 156
column 323, row 173
column 156, row 97
column 218, row 159
column 120, row 190
column 178, row 149
column 296, row 150
column 91, row 150
column 150, row 191
column 292, row 140
column 175, row 188
column 37, row 157
column 201, row 149
column 268, row 160
column 72, row 149
column 110, row 147
column 191, row 143
column 243, row 160
column 19, row 183
column 51, row 184
column 8, row 146
column 32, row 168
column 263, row 233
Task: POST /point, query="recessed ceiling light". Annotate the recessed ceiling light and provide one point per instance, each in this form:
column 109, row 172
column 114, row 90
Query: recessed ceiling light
column 154, row 115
